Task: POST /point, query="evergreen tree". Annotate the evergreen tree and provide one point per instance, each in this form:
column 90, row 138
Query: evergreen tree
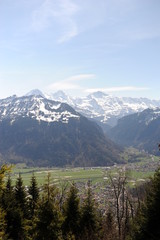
column 19, row 211
column 33, row 198
column 34, row 195
column 8, row 194
column 147, row 221
column 15, row 223
column 71, row 225
column 90, row 223
column 109, row 227
column 49, row 218
column 2, row 224
column 3, row 170
column 8, row 203
column 20, row 194
column 49, row 222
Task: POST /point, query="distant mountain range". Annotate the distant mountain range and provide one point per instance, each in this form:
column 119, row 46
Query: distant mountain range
column 101, row 107
column 141, row 130
column 50, row 130
column 43, row 132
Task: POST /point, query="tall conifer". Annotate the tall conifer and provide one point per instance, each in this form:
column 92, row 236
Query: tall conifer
column 90, row 227
column 34, row 194
column 20, row 194
column 49, row 219
column 147, row 221
column 71, row 224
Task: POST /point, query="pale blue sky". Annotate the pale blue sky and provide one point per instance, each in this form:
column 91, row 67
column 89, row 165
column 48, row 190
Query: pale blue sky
column 80, row 46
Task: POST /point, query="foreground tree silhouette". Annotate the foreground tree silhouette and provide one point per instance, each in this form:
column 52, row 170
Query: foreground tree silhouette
column 49, row 219
column 33, row 194
column 2, row 224
column 109, row 227
column 9, row 204
column 90, row 223
column 147, row 222
column 16, row 210
column 20, row 195
column 71, row 225
column 3, row 171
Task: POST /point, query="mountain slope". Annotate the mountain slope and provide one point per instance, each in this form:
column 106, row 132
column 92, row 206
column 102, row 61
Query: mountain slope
column 140, row 130
column 43, row 132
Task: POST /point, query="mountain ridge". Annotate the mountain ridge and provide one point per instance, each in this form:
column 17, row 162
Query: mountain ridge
column 104, row 108
column 44, row 132
column 140, row 130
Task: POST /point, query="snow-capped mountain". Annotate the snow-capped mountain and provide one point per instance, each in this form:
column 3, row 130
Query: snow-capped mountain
column 36, row 107
column 105, row 108
column 35, row 92
column 43, row 132
column 141, row 130
column 61, row 97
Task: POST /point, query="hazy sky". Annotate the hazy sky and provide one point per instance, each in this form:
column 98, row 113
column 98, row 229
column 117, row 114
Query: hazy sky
column 80, row 46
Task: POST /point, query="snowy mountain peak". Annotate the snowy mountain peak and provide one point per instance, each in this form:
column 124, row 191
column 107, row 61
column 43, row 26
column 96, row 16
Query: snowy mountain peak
column 36, row 107
column 104, row 108
column 97, row 94
column 35, row 92
column 59, row 94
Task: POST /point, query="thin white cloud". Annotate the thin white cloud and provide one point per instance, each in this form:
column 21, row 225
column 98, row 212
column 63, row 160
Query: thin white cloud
column 70, row 83
column 57, row 11
column 80, row 77
column 117, row 89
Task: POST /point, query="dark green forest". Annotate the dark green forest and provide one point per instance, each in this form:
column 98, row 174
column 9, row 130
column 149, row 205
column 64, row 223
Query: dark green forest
column 52, row 213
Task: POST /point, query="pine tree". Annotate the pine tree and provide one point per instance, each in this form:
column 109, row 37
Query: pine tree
column 19, row 211
column 49, row 222
column 8, row 193
column 32, row 203
column 2, row 224
column 34, row 195
column 20, row 194
column 90, row 223
column 49, row 218
column 71, row 225
column 109, row 227
column 3, row 171
column 8, row 201
column 147, row 221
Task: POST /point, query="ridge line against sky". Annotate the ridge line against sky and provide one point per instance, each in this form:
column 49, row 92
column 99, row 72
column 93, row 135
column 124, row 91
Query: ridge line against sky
column 80, row 47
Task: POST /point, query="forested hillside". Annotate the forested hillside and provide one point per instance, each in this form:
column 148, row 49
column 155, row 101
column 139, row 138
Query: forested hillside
column 141, row 130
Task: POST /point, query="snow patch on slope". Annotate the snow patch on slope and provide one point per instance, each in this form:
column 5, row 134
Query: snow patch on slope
column 105, row 108
column 35, row 107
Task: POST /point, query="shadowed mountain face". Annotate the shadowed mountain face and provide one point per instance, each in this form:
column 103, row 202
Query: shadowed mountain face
column 43, row 132
column 141, row 130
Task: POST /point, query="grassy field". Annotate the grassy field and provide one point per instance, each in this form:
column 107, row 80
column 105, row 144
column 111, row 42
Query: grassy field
column 137, row 171
column 58, row 174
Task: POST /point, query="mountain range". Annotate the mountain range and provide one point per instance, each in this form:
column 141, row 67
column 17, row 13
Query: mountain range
column 59, row 130
column 103, row 108
column 43, row 132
